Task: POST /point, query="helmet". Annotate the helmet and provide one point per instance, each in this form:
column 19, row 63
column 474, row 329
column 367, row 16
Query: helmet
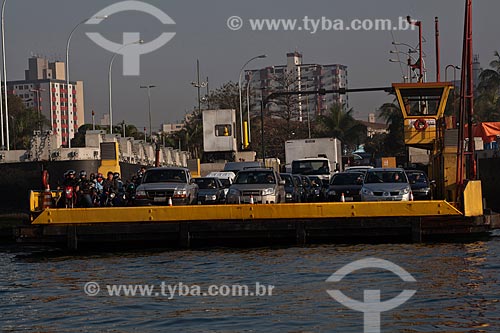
column 69, row 173
column 83, row 174
column 99, row 175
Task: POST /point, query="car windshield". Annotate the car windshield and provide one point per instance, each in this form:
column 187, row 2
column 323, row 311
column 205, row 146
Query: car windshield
column 383, row 176
column 205, row 183
column 164, row 176
column 288, row 180
column 310, row 167
column 225, row 182
column 417, row 178
column 350, row 178
column 255, row 177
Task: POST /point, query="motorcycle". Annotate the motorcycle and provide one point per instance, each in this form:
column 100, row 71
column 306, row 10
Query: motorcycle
column 70, row 196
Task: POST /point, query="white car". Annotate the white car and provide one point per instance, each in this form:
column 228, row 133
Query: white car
column 385, row 184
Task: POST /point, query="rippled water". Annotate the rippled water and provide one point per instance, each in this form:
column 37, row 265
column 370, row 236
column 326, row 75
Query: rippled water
column 457, row 289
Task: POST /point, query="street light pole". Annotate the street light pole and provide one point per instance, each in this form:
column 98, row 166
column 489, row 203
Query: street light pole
column 5, row 79
column 239, row 89
column 455, row 67
column 199, row 84
column 67, row 66
column 148, row 87
column 248, row 108
column 454, row 72
column 37, row 94
column 110, row 82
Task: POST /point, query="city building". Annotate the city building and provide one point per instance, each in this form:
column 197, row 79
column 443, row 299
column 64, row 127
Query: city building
column 171, row 128
column 45, row 90
column 372, row 127
column 296, row 75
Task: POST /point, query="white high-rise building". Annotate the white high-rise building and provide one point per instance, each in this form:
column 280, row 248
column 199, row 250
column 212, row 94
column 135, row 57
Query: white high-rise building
column 300, row 77
column 45, row 90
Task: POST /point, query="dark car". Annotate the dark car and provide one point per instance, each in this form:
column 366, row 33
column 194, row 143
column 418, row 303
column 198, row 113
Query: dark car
column 347, row 183
column 211, row 191
column 317, row 189
column 421, row 187
column 292, row 191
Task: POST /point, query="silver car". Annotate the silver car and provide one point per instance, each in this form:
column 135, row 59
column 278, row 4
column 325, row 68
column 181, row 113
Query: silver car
column 160, row 186
column 385, row 184
column 259, row 185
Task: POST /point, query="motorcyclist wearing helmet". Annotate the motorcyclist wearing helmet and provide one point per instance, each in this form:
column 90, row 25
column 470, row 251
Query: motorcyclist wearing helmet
column 85, row 190
column 69, row 181
column 140, row 174
column 98, row 182
column 110, row 185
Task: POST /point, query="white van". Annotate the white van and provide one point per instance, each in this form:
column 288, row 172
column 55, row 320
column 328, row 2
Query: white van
column 226, row 178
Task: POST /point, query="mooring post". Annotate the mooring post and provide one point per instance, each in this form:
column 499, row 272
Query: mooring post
column 300, row 230
column 72, row 238
column 184, row 235
column 416, row 230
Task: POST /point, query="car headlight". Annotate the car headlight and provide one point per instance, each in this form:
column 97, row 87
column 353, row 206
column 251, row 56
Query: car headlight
column 405, row 191
column 332, row 193
column 366, row 192
column 140, row 194
column 180, row 193
column 268, row 191
column 316, row 191
column 288, row 195
column 234, row 192
column 211, row 197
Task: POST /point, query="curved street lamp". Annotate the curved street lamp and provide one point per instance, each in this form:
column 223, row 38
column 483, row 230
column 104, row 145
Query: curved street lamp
column 67, row 63
column 455, row 68
column 140, row 41
column 148, row 87
column 5, row 81
column 239, row 89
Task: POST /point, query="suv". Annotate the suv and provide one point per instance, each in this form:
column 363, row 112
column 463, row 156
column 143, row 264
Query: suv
column 264, row 185
column 161, row 184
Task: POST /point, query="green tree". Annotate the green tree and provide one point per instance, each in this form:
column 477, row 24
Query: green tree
column 487, row 102
column 339, row 123
column 23, row 122
column 394, row 142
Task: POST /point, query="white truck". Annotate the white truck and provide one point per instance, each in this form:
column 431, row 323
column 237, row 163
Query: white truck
column 320, row 157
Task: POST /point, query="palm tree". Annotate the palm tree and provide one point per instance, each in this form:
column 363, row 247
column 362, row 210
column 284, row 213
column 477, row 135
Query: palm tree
column 340, row 124
column 487, row 103
column 394, row 143
column 490, row 78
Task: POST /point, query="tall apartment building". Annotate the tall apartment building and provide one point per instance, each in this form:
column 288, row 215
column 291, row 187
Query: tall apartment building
column 296, row 75
column 45, row 90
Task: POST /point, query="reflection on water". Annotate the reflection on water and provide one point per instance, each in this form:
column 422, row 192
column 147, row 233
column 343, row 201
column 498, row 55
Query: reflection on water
column 457, row 289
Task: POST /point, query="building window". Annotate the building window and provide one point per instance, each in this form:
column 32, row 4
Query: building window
column 223, row 130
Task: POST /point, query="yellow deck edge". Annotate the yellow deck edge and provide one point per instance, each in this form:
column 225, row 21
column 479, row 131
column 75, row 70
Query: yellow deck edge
column 246, row 212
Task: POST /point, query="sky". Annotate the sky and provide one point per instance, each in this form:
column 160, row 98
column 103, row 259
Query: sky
column 41, row 27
